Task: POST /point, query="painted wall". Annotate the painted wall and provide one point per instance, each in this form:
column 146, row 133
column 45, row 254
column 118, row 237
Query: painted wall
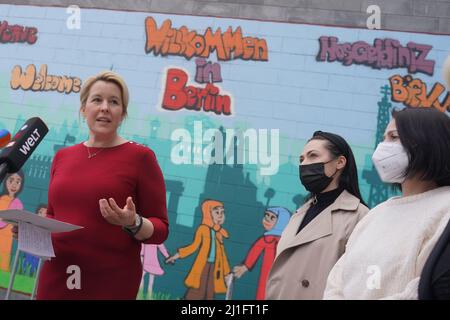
column 275, row 82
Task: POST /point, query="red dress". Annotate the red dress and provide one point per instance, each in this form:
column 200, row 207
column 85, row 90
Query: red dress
column 107, row 257
column 266, row 246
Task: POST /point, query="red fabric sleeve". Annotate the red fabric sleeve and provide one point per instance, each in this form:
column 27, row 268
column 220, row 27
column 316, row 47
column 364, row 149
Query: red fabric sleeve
column 151, row 197
column 254, row 253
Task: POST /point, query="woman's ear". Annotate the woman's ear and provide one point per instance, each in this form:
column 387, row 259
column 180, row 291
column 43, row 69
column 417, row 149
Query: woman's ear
column 342, row 161
column 124, row 115
column 83, row 111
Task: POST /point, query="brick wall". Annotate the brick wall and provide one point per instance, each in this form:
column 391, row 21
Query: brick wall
column 405, row 15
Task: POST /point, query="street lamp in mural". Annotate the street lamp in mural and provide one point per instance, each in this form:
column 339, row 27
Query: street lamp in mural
column 269, row 194
column 298, row 200
column 68, row 139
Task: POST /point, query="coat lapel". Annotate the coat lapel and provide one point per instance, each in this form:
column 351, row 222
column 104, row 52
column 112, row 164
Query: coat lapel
column 296, row 219
column 321, row 226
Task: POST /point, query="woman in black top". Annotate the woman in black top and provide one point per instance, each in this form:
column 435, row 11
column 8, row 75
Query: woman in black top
column 316, row 234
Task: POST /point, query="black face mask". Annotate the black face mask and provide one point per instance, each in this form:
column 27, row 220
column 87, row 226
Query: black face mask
column 313, row 176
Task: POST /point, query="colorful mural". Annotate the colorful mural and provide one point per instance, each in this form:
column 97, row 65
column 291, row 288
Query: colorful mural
column 152, row 267
column 227, row 105
column 12, row 187
column 210, row 269
column 274, row 221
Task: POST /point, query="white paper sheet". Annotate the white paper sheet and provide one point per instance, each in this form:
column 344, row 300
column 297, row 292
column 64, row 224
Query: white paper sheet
column 35, row 240
column 51, row 225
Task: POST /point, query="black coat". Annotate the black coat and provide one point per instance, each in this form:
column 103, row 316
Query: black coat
column 435, row 278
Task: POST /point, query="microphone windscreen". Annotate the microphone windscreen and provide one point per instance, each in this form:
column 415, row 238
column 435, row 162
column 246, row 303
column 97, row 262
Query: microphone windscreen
column 5, row 137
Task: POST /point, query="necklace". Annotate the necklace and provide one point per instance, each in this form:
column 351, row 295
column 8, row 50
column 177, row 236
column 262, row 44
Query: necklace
column 91, row 155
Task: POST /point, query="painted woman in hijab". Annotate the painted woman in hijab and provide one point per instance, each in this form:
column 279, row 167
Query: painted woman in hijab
column 207, row 275
column 274, row 221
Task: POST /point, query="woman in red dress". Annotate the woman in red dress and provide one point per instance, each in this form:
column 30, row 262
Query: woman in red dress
column 115, row 190
column 274, row 221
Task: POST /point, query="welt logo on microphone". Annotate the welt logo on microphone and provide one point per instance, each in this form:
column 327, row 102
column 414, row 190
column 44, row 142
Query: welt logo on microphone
column 23, row 144
column 30, row 141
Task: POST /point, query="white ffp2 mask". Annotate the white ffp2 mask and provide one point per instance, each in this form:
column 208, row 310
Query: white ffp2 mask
column 391, row 160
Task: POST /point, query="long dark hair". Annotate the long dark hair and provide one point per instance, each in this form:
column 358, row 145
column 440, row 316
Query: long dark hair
column 348, row 179
column 425, row 135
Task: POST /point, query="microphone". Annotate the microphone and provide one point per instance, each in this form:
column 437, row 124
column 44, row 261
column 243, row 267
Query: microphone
column 5, row 137
column 20, row 148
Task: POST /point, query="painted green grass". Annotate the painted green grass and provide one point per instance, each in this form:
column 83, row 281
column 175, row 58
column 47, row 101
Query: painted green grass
column 157, row 296
column 22, row 283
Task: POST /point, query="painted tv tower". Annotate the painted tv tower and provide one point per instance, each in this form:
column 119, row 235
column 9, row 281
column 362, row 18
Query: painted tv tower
column 379, row 191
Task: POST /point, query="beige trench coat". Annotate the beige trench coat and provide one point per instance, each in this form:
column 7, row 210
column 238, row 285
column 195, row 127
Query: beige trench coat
column 304, row 260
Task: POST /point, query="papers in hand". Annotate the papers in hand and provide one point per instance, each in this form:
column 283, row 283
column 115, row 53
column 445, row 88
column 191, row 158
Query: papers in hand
column 35, row 231
column 35, row 240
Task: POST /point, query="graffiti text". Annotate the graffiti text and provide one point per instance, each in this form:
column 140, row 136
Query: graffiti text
column 384, row 54
column 179, row 95
column 30, row 79
column 413, row 93
column 17, row 33
column 183, row 42
column 207, row 72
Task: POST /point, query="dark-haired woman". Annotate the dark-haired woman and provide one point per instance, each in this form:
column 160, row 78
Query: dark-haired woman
column 387, row 250
column 316, row 235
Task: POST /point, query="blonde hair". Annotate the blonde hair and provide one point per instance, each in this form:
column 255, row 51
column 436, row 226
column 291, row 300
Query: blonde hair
column 107, row 76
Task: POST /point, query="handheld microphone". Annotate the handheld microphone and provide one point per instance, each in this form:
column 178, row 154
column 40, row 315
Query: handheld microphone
column 26, row 140
column 5, row 137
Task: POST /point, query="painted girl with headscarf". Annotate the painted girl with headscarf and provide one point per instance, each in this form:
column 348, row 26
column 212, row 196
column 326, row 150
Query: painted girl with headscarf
column 274, row 221
column 12, row 187
column 207, row 276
